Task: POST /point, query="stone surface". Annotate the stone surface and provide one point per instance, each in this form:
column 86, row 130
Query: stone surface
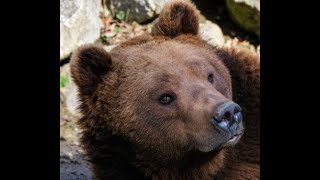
column 73, row 163
column 211, row 33
column 246, row 13
column 109, row 48
column 79, row 24
column 136, row 10
column 69, row 92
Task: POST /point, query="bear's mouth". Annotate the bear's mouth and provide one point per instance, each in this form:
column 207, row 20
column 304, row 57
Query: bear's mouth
column 230, row 142
column 234, row 137
column 233, row 140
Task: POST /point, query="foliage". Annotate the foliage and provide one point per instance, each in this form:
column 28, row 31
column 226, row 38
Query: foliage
column 120, row 15
column 116, row 29
column 63, row 81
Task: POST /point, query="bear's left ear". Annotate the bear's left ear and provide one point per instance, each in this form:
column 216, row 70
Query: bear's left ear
column 177, row 17
column 88, row 66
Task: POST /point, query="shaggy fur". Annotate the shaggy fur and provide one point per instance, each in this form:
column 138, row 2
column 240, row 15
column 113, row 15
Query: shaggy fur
column 128, row 134
column 177, row 18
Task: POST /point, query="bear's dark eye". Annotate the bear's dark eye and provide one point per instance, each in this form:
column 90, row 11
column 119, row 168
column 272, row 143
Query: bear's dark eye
column 210, row 78
column 166, row 99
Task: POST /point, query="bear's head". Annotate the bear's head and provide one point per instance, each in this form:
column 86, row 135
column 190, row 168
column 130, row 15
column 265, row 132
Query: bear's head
column 167, row 96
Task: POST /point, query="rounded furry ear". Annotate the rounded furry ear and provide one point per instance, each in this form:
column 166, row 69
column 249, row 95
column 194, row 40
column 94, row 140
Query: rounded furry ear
column 88, row 64
column 177, row 17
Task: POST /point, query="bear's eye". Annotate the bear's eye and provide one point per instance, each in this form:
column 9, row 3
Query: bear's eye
column 166, row 99
column 210, row 78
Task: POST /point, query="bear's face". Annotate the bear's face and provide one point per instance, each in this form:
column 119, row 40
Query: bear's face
column 162, row 93
column 174, row 90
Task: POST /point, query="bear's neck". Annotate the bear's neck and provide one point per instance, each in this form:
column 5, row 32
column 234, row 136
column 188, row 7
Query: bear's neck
column 118, row 157
column 192, row 166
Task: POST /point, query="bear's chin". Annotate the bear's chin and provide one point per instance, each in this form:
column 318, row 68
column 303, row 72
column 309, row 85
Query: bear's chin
column 230, row 143
column 233, row 140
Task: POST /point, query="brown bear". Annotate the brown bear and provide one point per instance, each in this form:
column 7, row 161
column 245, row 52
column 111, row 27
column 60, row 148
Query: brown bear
column 169, row 105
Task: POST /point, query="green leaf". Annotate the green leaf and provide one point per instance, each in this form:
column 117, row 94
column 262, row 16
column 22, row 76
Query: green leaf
column 117, row 29
column 121, row 15
column 63, row 81
column 104, row 39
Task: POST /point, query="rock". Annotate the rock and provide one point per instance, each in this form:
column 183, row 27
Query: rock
column 70, row 92
column 246, row 13
column 109, row 48
column 211, row 33
column 136, row 10
column 72, row 101
column 73, row 163
column 79, row 24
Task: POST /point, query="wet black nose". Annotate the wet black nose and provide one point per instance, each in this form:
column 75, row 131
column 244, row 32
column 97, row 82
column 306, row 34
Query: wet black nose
column 228, row 116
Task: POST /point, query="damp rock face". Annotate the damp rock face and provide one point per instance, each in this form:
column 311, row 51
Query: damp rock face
column 211, row 33
column 69, row 91
column 73, row 163
column 246, row 13
column 79, row 24
column 136, row 10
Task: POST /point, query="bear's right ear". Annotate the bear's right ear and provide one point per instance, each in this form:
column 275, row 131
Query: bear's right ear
column 88, row 64
column 177, row 17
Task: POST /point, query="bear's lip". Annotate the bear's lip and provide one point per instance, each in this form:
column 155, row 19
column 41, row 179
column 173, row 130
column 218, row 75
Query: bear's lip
column 233, row 138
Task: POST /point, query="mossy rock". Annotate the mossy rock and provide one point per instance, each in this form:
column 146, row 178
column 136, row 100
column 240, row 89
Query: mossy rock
column 245, row 14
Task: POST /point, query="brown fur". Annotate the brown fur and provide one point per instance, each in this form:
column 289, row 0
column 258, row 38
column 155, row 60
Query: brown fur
column 129, row 135
column 244, row 68
column 177, row 17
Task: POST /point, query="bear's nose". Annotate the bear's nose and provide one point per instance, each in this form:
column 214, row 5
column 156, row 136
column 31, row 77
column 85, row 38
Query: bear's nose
column 228, row 116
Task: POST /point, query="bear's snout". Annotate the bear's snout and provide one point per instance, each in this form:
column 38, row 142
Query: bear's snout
column 228, row 116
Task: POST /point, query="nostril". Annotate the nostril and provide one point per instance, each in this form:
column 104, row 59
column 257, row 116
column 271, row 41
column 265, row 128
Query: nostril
column 226, row 116
column 225, row 120
column 221, row 122
column 218, row 120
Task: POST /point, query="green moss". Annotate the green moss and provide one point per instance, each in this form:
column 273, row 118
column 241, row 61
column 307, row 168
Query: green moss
column 63, row 81
column 121, row 15
column 116, row 29
column 104, row 39
column 245, row 16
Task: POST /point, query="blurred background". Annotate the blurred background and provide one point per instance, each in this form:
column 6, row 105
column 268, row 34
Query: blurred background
column 224, row 23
